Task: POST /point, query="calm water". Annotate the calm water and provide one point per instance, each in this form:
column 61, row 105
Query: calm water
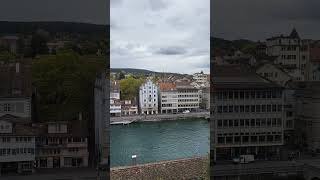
column 158, row 141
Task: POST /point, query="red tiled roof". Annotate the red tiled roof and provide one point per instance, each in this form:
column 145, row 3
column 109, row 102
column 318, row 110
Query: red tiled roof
column 166, row 86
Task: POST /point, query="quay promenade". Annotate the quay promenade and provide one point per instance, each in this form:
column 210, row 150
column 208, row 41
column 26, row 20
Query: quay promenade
column 157, row 117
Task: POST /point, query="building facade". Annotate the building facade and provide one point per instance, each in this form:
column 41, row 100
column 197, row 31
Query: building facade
column 292, row 53
column 188, row 97
column 148, row 98
column 247, row 114
column 128, row 108
column 61, row 145
column 200, row 77
column 168, row 97
column 17, row 138
column 115, row 105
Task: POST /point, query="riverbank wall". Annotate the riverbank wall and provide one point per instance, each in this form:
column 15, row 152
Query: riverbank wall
column 158, row 117
column 188, row 169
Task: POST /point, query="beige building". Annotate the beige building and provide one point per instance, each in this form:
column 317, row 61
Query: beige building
column 188, row 96
column 168, row 97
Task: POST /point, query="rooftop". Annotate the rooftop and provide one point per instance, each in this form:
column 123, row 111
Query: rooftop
column 238, row 77
column 167, row 86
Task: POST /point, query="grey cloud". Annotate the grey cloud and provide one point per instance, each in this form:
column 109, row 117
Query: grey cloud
column 152, row 34
column 88, row 11
column 157, row 4
column 257, row 20
column 172, row 51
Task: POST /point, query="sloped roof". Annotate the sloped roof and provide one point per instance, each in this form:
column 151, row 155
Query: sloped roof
column 167, row 86
column 238, row 77
column 294, row 34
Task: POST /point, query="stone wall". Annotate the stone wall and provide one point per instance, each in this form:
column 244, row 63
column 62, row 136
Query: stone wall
column 192, row 168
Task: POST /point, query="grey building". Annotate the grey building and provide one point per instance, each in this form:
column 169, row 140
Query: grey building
column 102, row 118
column 247, row 113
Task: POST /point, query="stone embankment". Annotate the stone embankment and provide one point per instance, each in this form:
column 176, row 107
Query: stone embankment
column 188, row 169
column 157, row 117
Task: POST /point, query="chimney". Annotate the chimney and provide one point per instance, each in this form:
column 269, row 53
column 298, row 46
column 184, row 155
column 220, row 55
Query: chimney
column 17, row 67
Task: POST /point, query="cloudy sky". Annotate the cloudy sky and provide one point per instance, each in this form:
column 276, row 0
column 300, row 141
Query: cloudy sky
column 160, row 35
column 260, row 19
column 87, row 11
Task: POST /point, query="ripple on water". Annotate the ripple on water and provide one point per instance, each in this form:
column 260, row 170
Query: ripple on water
column 158, row 141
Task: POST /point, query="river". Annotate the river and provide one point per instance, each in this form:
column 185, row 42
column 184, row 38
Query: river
column 158, row 141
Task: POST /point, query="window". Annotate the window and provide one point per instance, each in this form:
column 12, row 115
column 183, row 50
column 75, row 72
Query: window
column 263, row 122
column 253, row 95
column 263, row 108
column 253, row 123
column 7, row 107
column 279, row 122
column 247, row 121
column 225, row 123
column 230, row 109
column 231, row 95
column 254, row 138
column 262, row 138
column 236, row 123
column 247, row 94
column 241, row 122
column 230, row 123
column 247, row 108
column 236, row 95
column 236, row 109
column 241, row 108
column 241, row 95
column 268, row 108
column 219, row 123
column 268, row 122
column 258, row 108
column 253, row 108
column 225, row 109
column 220, row 140
column 258, row 122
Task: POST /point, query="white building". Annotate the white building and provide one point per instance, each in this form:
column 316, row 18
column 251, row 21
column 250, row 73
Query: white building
column 17, row 139
column 168, row 97
column 274, row 73
column 200, row 78
column 148, row 98
column 17, row 145
column 115, row 105
column 247, row 114
column 292, row 52
column 188, row 97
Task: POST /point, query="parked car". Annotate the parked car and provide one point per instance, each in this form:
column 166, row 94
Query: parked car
column 243, row 159
column 186, row 112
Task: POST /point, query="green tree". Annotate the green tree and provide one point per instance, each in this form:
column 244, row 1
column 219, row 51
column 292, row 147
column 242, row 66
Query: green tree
column 129, row 87
column 39, row 42
column 64, row 83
